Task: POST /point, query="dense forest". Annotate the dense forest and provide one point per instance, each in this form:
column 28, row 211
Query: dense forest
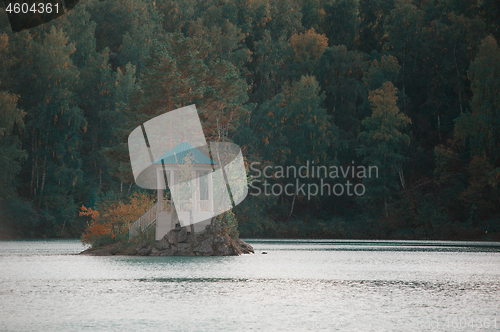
column 411, row 87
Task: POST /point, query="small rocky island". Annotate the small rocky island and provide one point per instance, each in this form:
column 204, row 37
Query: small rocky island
column 179, row 242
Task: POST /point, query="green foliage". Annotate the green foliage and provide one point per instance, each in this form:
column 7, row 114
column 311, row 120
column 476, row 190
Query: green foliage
column 482, row 125
column 341, row 22
column 11, row 154
column 382, row 145
column 229, row 224
column 18, row 219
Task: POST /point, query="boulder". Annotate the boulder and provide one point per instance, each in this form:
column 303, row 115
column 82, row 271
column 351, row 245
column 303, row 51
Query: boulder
column 241, row 247
column 144, row 250
column 222, row 250
column 246, row 248
column 163, row 243
column 219, row 239
column 217, row 229
column 184, row 249
column 172, row 236
column 110, row 249
column 182, row 236
column 155, row 252
column 168, row 252
column 204, row 248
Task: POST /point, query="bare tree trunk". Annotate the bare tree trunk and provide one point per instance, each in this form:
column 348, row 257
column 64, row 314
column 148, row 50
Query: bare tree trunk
column 385, row 204
column 293, row 203
column 43, row 176
column 439, row 128
column 404, row 86
column 458, row 79
column 401, row 177
column 32, row 174
column 36, row 162
column 283, row 203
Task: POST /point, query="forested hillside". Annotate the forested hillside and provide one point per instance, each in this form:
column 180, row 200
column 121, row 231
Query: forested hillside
column 412, row 87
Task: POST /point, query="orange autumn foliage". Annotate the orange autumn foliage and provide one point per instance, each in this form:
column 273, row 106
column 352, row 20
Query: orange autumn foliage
column 308, row 45
column 110, row 222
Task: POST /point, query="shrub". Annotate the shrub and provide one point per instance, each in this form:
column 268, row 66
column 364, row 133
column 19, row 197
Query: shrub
column 109, row 223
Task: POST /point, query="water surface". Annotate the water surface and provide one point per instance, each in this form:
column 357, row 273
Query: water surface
column 298, row 285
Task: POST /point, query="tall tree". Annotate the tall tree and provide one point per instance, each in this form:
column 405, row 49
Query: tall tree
column 482, row 125
column 382, row 144
column 294, row 129
column 339, row 72
column 45, row 81
column 308, row 48
column 341, row 23
column 11, row 154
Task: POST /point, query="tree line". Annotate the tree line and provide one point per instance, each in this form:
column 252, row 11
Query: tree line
column 412, row 87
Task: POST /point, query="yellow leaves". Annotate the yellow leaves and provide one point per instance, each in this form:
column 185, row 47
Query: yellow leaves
column 114, row 218
column 308, row 45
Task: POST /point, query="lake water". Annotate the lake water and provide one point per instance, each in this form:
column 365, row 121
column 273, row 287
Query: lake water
column 298, row 286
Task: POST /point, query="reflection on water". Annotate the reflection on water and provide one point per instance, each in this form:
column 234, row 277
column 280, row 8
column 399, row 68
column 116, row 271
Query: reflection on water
column 299, row 285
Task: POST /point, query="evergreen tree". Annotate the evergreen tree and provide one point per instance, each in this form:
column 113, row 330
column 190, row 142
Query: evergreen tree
column 382, row 144
column 482, row 125
column 11, row 154
column 45, row 81
column 294, row 129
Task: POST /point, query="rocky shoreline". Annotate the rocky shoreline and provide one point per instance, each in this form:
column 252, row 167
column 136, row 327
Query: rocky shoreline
column 179, row 242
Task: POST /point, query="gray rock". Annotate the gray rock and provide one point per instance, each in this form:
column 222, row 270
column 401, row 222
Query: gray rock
column 168, row 252
column 219, row 239
column 110, row 249
column 182, row 236
column 222, row 250
column 205, row 248
column 184, row 249
column 96, row 252
column 144, row 251
column 172, row 236
column 245, row 247
column 163, row 243
column 217, row 229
